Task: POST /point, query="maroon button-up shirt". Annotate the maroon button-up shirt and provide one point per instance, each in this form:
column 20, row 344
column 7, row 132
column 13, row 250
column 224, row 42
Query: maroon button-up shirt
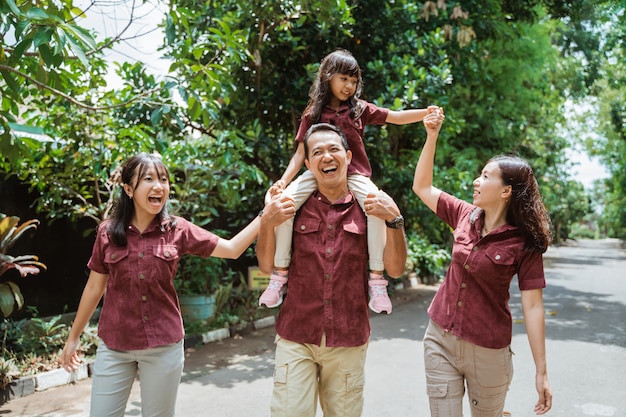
column 353, row 130
column 140, row 308
column 473, row 301
column 327, row 290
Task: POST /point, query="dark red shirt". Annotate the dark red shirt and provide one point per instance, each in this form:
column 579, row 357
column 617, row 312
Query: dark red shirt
column 473, row 301
column 327, row 290
column 141, row 308
column 352, row 129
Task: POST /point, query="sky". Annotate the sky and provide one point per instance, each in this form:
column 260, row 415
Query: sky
column 144, row 37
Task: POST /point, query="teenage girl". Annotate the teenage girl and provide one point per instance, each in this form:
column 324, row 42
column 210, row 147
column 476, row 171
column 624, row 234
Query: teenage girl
column 503, row 233
column 134, row 260
column 334, row 99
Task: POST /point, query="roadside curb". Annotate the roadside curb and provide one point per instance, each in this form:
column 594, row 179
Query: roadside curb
column 30, row 384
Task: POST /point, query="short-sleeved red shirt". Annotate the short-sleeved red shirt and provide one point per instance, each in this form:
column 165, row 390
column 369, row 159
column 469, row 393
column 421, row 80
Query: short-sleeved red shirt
column 327, row 290
column 353, row 130
column 473, row 300
column 141, row 308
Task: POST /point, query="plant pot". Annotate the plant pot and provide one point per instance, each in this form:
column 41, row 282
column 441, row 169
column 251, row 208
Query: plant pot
column 196, row 307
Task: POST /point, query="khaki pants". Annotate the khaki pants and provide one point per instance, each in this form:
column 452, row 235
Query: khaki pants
column 451, row 363
column 159, row 368
column 305, row 372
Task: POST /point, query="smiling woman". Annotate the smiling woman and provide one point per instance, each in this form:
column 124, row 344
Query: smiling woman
column 134, row 259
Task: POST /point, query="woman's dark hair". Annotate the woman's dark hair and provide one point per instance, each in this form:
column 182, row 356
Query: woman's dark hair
column 337, row 62
column 526, row 210
column 132, row 172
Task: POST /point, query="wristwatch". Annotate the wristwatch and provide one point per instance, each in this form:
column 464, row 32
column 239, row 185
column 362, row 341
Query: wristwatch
column 397, row 223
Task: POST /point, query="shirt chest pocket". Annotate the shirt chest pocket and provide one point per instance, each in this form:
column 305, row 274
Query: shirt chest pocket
column 114, row 256
column 354, row 239
column 166, row 259
column 167, row 253
column 500, row 262
column 116, row 260
column 306, row 238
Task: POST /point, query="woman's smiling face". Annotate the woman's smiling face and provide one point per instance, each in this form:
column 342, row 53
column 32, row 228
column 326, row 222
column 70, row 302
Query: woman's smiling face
column 151, row 191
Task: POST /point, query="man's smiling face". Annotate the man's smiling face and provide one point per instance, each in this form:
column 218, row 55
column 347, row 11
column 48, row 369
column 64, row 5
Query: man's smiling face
column 328, row 160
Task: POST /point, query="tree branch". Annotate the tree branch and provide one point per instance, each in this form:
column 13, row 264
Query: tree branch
column 71, row 99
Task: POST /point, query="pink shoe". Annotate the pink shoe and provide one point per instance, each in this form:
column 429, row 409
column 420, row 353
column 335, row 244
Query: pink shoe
column 273, row 294
column 379, row 300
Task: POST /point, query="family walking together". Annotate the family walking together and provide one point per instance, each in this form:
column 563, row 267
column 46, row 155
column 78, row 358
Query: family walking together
column 326, row 236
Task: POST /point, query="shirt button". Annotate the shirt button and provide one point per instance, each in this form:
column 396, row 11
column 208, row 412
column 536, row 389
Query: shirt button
column 466, row 266
column 144, row 298
column 463, row 285
column 326, row 277
column 303, row 227
column 140, row 255
column 113, row 256
column 141, row 276
column 145, row 318
column 329, row 251
column 326, row 302
column 475, row 248
column 167, row 254
column 330, row 227
column 497, row 257
column 460, row 303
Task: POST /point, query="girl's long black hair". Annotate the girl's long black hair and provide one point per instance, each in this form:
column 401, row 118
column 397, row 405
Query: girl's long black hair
column 342, row 62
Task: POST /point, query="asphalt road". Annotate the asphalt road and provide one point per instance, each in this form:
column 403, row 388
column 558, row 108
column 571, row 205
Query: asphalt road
column 586, row 342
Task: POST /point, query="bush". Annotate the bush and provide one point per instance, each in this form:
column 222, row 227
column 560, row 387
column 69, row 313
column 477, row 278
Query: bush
column 426, row 260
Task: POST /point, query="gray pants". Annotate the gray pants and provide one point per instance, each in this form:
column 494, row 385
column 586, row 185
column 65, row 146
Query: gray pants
column 451, row 363
column 159, row 370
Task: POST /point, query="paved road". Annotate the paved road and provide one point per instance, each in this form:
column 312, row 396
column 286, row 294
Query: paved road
column 586, row 305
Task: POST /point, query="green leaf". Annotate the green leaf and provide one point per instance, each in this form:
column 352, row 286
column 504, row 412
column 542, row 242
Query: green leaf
column 14, row 7
column 36, row 13
column 11, row 82
column 7, row 299
column 46, row 55
column 78, row 51
column 18, row 52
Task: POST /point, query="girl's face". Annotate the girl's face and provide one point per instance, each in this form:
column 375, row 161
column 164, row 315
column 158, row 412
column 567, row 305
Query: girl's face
column 343, row 86
column 150, row 193
column 489, row 191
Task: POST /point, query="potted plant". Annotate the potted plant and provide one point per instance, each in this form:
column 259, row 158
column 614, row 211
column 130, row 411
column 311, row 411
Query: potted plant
column 11, row 298
column 196, row 281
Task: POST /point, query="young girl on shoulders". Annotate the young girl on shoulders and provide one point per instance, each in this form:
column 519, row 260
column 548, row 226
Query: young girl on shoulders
column 334, row 99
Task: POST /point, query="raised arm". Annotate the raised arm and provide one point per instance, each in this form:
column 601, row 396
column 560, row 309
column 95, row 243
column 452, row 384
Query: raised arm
column 403, row 117
column 423, row 179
